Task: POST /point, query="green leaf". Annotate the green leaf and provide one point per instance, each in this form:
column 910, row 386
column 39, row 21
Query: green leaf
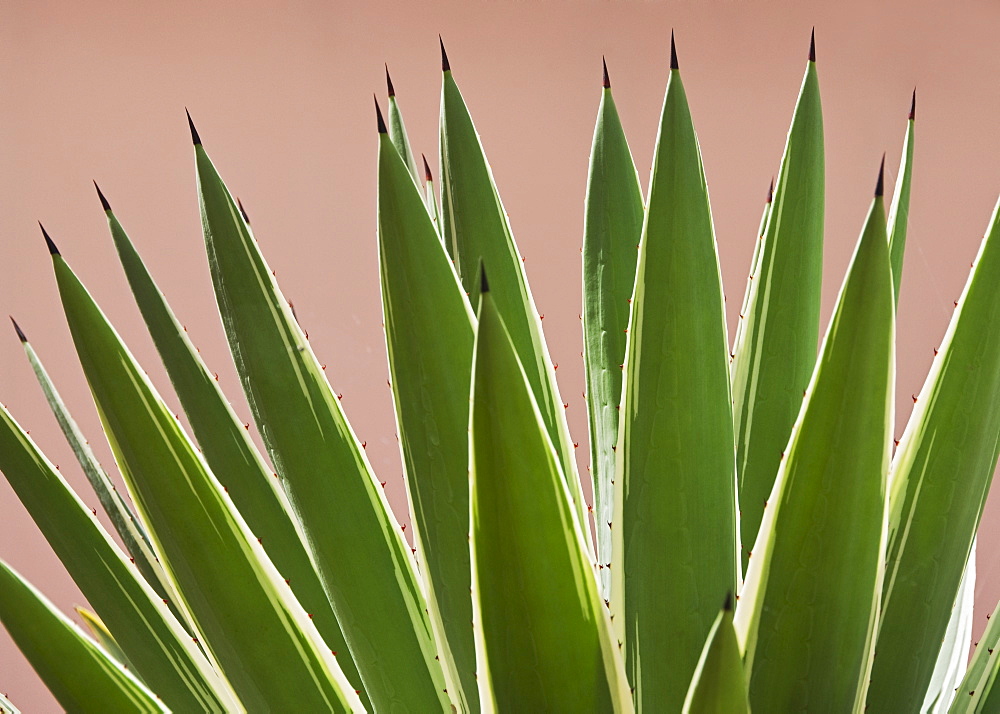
column 79, row 675
column 397, row 132
column 749, row 294
column 719, row 685
column 366, row 567
column 941, row 474
column 429, row 334
column 430, row 199
column 222, row 572
column 475, row 227
column 899, row 210
column 809, row 605
column 611, row 230
column 775, row 347
column 674, row 526
column 155, row 642
column 231, row 455
column 105, row 638
column 543, row 637
column 953, row 657
column 977, row 693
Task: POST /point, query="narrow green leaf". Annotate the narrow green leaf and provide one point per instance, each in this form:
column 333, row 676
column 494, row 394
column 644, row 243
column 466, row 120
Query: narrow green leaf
column 397, row 131
column 543, row 637
column 719, row 685
column 231, row 455
column 155, row 642
column 775, row 347
column 976, row 692
column 674, row 526
column 941, row 474
column 475, row 227
column 748, row 294
column 430, row 198
column 79, row 675
column 899, row 210
column 808, row 609
column 953, row 657
column 221, row 570
column 429, row 334
column 365, row 565
column 105, row 638
column 611, row 230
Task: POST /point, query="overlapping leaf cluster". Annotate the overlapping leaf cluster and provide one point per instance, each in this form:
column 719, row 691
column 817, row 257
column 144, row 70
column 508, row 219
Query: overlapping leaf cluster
column 761, row 478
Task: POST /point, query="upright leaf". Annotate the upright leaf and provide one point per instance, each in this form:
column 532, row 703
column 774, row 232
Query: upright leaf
column 230, row 453
column 475, row 227
column 941, row 474
column 429, row 334
column 899, row 211
column 611, row 230
column 80, row 676
column 397, row 131
column 808, row 609
column 674, row 526
column 775, row 347
column 431, row 199
column 719, row 685
column 222, row 572
column 953, row 657
column 977, row 691
column 366, row 567
column 543, row 638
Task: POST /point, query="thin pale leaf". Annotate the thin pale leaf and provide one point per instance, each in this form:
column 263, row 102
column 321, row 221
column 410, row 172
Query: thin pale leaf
column 953, row 659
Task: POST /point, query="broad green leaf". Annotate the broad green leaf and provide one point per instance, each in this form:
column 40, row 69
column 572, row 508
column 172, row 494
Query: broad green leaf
column 953, row 657
column 775, row 347
column 941, row 474
column 543, row 637
column 429, row 334
column 79, row 675
column 230, row 453
column 899, row 210
column 222, row 572
column 365, row 565
column 719, row 685
column 611, row 230
column 397, row 131
column 475, row 226
column 808, row 609
column 128, row 527
column 674, row 526
column 104, row 638
column 977, row 692
column 163, row 653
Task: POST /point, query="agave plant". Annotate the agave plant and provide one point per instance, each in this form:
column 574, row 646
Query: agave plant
column 755, row 539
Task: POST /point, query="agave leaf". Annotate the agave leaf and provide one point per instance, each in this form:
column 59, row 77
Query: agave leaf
column 719, row 685
column 429, row 334
column 397, row 131
column 953, row 658
column 976, row 692
column 775, row 347
column 221, row 570
column 366, row 567
column 430, row 198
column 674, row 526
column 611, row 230
column 899, row 210
column 941, row 473
column 80, row 676
column 7, row 707
column 754, row 267
column 128, row 527
column 230, row 453
column 543, row 637
column 105, row 638
column 475, row 227
column 155, row 642
column 808, row 609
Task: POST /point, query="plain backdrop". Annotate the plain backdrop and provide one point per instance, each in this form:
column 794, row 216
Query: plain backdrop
column 283, row 101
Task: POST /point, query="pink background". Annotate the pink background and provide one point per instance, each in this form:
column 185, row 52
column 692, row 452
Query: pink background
column 282, row 99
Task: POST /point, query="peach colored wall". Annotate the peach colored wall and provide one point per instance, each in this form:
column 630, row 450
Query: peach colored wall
column 282, row 99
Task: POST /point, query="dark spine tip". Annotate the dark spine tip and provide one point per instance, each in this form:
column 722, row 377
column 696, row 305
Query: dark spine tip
column 881, row 178
column 104, row 202
column 445, row 64
column 607, row 80
column 379, row 119
column 484, row 285
column 17, row 329
column 48, row 241
column 913, row 105
column 727, row 605
column 388, row 82
column 770, row 191
column 194, row 132
column 812, row 46
column 427, row 169
column 243, row 211
column 673, row 52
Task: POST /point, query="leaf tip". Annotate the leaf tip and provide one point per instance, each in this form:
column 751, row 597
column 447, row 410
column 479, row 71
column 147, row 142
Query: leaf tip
column 48, row 241
column 194, row 132
column 770, row 192
column 445, row 64
column 727, row 604
column 388, row 82
column 812, row 45
column 379, row 120
column 881, row 178
column 104, row 202
column 17, row 329
column 913, row 105
column 673, row 52
column 243, row 211
column 484, row 284
column 607, row 80
column 427, row 170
